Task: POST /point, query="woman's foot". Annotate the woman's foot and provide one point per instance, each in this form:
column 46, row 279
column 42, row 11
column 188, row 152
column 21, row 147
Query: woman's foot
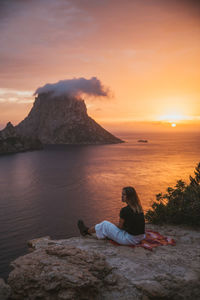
column 82, row 228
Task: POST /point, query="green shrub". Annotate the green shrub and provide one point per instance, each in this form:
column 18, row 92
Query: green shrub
column 180, row 205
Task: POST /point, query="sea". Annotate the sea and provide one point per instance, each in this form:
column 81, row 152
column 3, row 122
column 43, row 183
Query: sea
column 44, row 193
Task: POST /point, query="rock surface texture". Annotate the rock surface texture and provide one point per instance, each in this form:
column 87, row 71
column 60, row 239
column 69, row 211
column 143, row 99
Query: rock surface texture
column 87, row 268
column 63, row 120
column 4, row 290
column 11, row 141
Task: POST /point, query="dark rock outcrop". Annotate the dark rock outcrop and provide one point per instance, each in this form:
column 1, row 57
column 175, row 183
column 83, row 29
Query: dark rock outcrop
column 142, row 141
column 63, row 120
column 11, row 141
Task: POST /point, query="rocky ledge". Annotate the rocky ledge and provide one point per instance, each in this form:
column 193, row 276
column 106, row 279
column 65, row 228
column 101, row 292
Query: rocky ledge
column 13, row 142
column 87, row 268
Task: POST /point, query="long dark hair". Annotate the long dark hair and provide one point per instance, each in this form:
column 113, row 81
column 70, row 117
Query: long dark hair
column 132, row 199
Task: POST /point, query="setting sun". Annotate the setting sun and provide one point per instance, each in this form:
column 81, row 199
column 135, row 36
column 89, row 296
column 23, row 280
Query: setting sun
column 173, row 125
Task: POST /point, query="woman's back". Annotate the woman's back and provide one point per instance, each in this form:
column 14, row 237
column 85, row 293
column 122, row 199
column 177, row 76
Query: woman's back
column 134, row 223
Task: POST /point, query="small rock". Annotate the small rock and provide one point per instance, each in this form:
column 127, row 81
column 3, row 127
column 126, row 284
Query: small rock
column 152, row 289
column 4, row 290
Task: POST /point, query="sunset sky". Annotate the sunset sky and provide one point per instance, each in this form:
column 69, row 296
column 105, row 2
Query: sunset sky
column 146, row 51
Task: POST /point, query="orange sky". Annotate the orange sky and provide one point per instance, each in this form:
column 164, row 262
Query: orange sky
column 147, row 52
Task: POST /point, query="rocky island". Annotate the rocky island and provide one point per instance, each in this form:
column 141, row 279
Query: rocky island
column 63, row 119
column 142, row 141
column 87, row 268
column 12, row 141
column 58, row 116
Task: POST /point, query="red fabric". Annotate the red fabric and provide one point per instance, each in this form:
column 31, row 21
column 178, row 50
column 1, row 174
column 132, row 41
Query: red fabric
column 153, row 239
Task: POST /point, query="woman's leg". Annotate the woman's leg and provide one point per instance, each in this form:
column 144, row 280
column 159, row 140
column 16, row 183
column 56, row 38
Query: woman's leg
column 111, row 231
column 85, row 230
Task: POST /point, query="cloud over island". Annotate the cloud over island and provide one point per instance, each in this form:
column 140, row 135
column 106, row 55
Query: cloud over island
column 75, row 87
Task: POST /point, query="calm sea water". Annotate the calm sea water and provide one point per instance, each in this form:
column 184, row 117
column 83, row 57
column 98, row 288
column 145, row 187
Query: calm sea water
column 45, row 192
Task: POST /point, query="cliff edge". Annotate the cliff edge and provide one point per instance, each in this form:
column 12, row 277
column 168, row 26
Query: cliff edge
column 87, row 268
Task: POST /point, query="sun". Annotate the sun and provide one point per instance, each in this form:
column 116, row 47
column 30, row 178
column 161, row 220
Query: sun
column 173, row 124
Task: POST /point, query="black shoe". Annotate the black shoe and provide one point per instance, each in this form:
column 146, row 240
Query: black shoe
column 82, row 228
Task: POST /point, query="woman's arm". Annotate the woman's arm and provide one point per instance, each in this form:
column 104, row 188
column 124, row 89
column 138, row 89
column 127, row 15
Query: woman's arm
column 121, row 223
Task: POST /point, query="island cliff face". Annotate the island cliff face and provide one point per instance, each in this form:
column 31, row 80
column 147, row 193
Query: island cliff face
column 63, row 120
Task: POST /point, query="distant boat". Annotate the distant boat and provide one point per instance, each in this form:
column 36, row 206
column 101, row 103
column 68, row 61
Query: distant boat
column 142, row 141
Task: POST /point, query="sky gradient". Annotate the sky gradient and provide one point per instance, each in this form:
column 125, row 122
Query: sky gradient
column 146, row 52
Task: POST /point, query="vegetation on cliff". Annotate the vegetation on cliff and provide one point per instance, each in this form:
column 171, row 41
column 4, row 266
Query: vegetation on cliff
column 180, row 205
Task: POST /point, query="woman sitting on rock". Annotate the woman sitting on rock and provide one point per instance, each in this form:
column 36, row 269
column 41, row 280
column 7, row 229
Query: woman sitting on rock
column 131, row 227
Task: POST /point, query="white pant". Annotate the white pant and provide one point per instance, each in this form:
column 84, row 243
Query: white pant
column 107, row 229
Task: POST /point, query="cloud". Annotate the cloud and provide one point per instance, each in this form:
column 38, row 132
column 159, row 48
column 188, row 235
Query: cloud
column 75, row 87
column 15, row 96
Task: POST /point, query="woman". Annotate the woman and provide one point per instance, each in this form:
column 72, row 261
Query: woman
column 131, row 227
